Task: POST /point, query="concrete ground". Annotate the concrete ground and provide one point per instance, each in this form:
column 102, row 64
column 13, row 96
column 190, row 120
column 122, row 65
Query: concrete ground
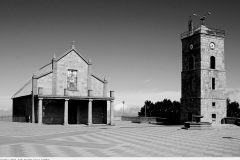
column 125, row 139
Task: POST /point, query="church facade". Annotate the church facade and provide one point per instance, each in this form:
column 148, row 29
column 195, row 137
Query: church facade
column 203, row 74
column 65, row 91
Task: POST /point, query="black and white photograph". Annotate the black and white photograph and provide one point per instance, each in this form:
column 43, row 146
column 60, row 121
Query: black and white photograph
column 119, row 78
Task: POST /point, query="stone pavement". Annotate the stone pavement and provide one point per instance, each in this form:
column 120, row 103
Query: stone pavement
column 126, row 139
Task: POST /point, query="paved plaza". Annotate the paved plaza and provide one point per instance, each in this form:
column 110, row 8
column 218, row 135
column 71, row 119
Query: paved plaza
column 125, row 139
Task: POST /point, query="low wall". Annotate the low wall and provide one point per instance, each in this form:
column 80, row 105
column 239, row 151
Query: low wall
column 117, row 118
column 126, row 118
column 143, row 119
column 14, row 118
column 232, row 120
column 53, row 120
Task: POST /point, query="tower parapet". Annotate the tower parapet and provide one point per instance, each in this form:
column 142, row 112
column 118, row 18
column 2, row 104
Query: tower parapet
column 205, row 30
column 202, row 29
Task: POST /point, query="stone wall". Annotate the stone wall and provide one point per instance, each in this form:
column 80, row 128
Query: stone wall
column 217, row 52
column 193, row 76
column 46, row 83
column 208, row 94
column 190, row 105
column 97, row 87
column 218, row 73
column 200, row 99
column 206, row 84
column 219, row 109
column 187, row 52
column 72, row 61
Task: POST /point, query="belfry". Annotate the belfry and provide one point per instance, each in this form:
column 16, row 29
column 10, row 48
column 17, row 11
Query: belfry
column 203, row 76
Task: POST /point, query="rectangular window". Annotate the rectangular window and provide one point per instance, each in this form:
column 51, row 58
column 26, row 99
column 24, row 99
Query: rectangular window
column 213, row 117
column 72, row 80
column 213, row 83
column 212, row 62
column 213, row 104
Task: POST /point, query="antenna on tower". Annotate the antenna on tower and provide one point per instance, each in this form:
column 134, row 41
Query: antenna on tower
column 202, row 18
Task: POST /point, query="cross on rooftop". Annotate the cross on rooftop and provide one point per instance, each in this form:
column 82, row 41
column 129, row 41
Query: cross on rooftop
column 73, row 46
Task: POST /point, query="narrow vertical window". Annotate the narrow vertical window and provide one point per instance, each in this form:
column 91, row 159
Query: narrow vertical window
column 191, row 63
column 212, row 62
column 72, row 80
column 213, row 83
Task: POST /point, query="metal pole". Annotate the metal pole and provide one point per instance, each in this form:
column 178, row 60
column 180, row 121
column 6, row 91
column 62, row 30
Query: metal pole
column 33, row 116
column 33, row 110
column 123, row 108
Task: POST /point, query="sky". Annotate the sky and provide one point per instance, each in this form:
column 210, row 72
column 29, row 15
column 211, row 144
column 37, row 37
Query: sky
column 134, row 43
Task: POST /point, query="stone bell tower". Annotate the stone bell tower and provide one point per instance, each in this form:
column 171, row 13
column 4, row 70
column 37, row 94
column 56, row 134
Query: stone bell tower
column 203, row 73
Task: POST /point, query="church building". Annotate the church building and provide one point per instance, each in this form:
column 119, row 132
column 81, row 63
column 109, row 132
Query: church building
column 203, row 74
column 65, row 91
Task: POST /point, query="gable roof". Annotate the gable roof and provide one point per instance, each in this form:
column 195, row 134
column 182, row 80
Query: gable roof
column 27, row 88
column 70, row 50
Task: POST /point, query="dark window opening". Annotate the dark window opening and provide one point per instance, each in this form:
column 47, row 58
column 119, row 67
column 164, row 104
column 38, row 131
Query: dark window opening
column 189, row 116
column 213, row 116
column 213, row 104
column 212, row 62
column 191, row 63
column 213, row 83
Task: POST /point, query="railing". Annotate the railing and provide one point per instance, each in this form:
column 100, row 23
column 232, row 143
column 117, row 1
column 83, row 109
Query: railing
column 14, row 118
column 209, row 31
